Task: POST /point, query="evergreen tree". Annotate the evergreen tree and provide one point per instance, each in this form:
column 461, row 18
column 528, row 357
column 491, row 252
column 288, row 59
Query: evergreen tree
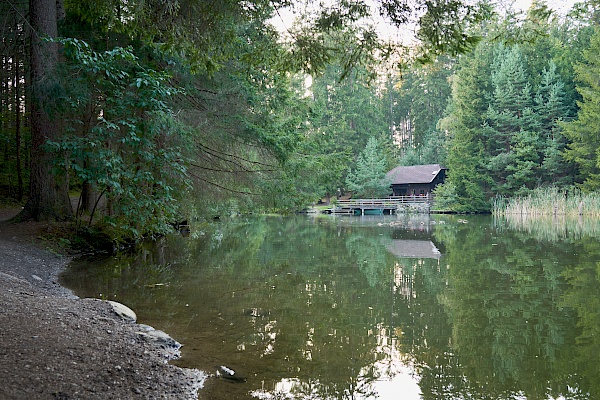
column 423, row 97
column 584, row 132
column 48, row 186
column 522, row 91
column 368, row 179
column 344, row 115
column 551, row 108
column 510, row 103
column 466, row 158
column 521, row 128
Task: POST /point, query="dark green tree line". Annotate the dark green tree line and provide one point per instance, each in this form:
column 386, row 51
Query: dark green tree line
column 583, row 133
column 206, row 54
column 422, row 96
column 498, row 116
column 13, row 127
column 227, row 119
column 514, row 139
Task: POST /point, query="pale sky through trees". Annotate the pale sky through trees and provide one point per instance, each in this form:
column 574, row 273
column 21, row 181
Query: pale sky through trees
column 562, row 6
column 284, row 20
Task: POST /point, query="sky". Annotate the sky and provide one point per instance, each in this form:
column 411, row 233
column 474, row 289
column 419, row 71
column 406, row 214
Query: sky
column 561, row 6
column 284, row 20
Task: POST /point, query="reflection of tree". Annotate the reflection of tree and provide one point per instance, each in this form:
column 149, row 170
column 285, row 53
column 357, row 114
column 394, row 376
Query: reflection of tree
column 508, row 331
column 424, row 326
column 117, row 277
column 367, row 248
column 293, row 301
column 309, row 316
column 582, row 295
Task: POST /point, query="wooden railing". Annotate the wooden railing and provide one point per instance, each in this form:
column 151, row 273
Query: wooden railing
column 387, row 203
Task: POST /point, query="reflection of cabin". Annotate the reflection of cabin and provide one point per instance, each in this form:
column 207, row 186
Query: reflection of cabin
column 417, row 180
column 414, row 249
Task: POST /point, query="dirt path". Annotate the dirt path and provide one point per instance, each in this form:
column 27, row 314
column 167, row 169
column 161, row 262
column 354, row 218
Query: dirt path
column 54, row 345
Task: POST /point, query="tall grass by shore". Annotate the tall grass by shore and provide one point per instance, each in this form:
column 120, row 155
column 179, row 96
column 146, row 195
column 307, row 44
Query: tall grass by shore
column 550, row 201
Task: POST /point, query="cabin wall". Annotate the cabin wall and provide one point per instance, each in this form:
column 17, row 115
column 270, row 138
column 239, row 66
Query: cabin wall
column 414, row 189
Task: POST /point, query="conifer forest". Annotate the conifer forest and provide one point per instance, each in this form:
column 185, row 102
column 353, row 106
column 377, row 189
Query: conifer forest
column 128, row 116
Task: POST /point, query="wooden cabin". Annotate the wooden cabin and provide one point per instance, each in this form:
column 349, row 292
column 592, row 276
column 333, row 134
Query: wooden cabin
column 416, row 180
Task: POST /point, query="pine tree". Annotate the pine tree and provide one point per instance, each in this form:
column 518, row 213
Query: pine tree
column 512, row 126
column 584, row 132
column 48, row 185
column 466, row 161
column 423, row 97
column 551, row 108
column 369, row 180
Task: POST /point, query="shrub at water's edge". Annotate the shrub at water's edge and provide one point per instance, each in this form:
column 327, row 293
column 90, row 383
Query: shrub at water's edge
column 550, row 201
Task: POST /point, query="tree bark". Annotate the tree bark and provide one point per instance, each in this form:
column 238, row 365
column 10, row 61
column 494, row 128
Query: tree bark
column 18, row 111
column 48, row 189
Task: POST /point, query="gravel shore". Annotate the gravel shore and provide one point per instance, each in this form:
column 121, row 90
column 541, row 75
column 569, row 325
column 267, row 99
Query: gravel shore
column 54, row 345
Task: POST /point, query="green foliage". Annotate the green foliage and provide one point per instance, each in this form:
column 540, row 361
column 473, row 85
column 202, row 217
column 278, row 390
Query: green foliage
column 246, row 126
column 199, row 33
column 369, row 179
column 346, row 112
column 122, row 138
column 522, row 129
column 446, row 197
column 504, row 121
column 463, row 122
column 511, row 146
column 444, row 27
column 204, row 34
column 314, row 174
column 423, row 95
column 584, row 132
column 343, row 33
column 339, row 119
column 204, row 98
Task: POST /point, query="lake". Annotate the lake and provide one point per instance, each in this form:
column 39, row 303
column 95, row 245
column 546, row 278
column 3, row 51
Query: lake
column 386, row 307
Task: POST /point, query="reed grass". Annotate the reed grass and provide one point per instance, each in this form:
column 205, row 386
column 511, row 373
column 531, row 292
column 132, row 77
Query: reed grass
column 550, row 201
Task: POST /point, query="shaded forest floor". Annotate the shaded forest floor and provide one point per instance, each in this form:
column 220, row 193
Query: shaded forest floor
column 54, row 345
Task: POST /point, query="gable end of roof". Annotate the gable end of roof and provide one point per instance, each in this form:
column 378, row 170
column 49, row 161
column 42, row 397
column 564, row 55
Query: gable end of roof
column 402, row 175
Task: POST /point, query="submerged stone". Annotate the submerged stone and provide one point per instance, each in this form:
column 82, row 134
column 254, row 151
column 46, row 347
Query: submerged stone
column 229, row 374
column 160, row 339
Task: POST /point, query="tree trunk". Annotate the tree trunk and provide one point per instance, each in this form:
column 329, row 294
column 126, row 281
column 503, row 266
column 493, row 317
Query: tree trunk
column 18, row 111
column 48, row 189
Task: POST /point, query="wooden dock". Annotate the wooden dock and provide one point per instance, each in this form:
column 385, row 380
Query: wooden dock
column 388, row 205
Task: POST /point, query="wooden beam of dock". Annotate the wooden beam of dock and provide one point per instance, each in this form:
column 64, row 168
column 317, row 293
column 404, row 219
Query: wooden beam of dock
column 390, row 204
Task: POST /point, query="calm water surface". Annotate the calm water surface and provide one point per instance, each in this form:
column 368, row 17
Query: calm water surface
column 386, row 307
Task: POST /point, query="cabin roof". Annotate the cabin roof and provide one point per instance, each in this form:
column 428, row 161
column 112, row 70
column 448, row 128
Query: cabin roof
column 403, row 175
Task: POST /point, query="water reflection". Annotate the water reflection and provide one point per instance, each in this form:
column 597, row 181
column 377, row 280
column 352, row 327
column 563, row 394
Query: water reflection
column 389, row 307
